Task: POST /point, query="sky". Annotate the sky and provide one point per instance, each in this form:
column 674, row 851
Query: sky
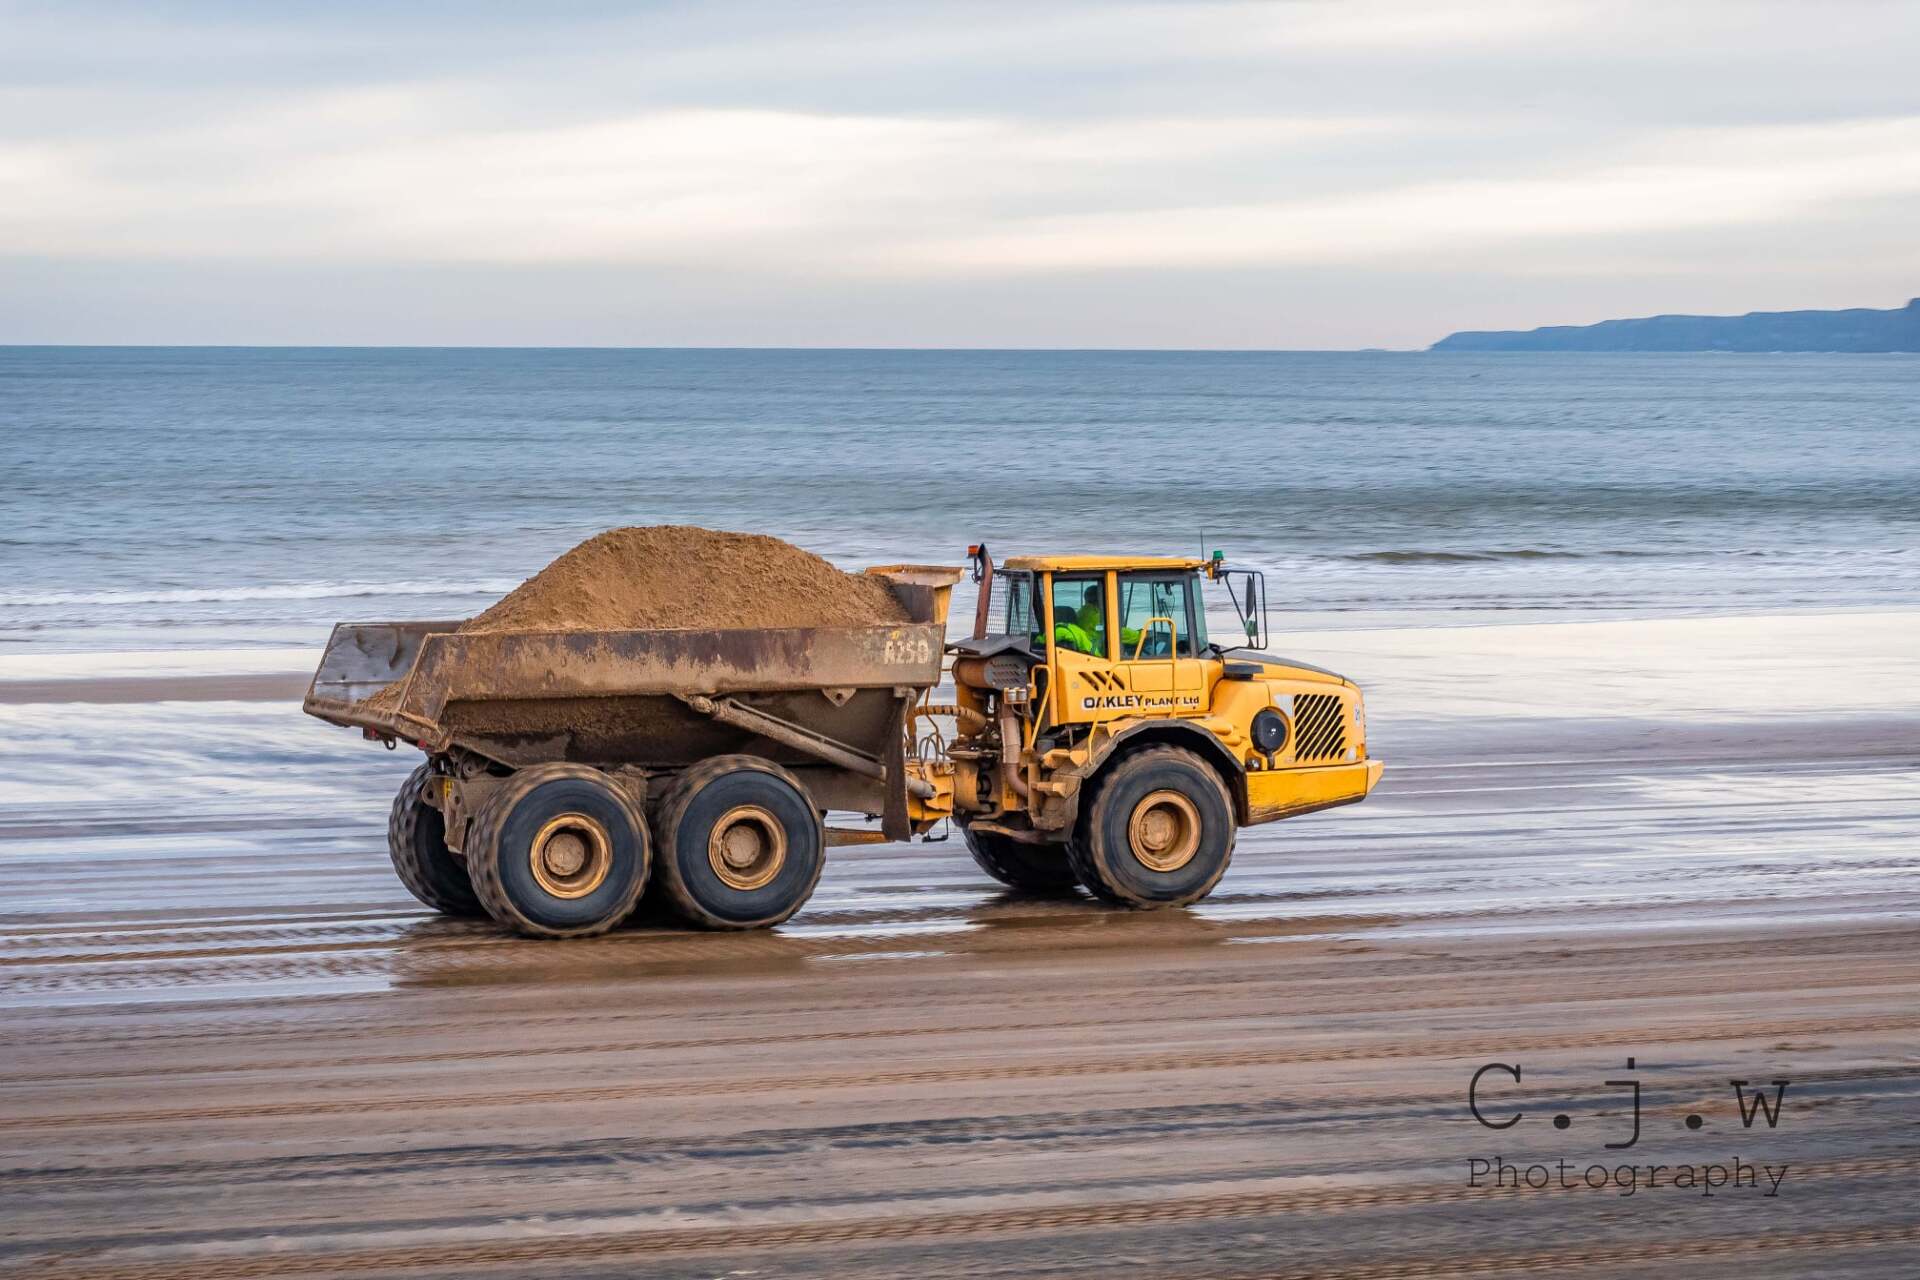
column 1307, row 174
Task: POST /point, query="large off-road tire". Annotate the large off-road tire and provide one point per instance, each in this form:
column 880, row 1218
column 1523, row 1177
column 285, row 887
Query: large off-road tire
column 1030, row 868
column 417, row 842
column 739, row 844
column 558, row 851
column 1157, row 832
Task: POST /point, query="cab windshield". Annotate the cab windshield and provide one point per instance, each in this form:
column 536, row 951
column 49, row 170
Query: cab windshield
column 1148, row 602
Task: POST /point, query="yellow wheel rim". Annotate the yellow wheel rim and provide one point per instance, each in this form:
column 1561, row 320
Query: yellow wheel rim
column 747, row 847
column 1164, row 831
column 571, row 856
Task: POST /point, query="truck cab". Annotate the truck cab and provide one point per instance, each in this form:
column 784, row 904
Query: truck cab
column 1080, row 668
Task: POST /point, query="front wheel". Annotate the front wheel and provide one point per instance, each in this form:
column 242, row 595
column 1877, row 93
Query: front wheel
column 740, row 844
column 1158, row 831
column 558, row 851
column 1031, row 868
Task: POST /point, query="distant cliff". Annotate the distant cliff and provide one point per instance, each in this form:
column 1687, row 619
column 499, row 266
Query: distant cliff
column 1856, row 329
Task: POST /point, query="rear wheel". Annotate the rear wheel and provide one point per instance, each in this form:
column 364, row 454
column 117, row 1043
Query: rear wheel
column 740, row 844
column 1031, row 868
column 1157, row 832
column 558, row 851
column 417, row 843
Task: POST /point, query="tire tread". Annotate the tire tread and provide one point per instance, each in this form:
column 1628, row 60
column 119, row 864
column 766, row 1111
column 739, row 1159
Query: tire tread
column 673, row 810
column 403, row 834
column 485, row 867
column 1004, row 861
column 1086, row 858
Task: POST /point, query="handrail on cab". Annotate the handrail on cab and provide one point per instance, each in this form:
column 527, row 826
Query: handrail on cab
column 1173, row 637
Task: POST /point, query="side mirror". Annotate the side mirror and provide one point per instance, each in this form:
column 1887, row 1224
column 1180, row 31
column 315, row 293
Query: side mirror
column 1250, row 602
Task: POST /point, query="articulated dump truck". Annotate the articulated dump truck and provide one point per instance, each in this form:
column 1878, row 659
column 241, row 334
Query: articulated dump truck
column 1093, row 738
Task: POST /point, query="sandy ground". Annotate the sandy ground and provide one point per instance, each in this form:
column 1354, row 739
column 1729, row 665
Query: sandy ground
column 234, row 1047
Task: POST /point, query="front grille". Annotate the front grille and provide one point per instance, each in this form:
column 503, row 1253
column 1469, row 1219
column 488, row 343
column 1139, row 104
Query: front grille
column 1319, row 727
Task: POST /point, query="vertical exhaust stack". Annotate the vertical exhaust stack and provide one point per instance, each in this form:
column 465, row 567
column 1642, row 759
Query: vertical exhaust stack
column 982, row 562
column 1008, row 719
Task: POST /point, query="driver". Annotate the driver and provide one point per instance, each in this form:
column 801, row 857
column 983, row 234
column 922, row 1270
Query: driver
column 1085, row 629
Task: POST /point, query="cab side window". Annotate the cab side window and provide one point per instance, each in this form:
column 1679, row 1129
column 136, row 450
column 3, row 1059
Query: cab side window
column 1023, row 606
column 1080, row 615
column 1147, row 596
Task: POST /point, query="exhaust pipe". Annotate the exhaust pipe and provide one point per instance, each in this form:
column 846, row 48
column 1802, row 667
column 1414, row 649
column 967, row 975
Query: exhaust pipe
column 983, row 575
column 1009, row 723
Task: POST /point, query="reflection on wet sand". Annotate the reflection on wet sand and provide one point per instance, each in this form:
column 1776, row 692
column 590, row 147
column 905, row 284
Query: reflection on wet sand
column 224, row 1031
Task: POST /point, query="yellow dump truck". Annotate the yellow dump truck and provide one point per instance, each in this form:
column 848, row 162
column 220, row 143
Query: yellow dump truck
column 1094, row 737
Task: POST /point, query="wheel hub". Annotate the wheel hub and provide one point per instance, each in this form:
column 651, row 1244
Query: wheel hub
column 571, row 856
column 1164, row 831
column 747, row 847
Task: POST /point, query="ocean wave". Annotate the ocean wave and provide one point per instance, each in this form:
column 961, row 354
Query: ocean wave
column 271, row 591
column 1823, row 555
column 1475, row 557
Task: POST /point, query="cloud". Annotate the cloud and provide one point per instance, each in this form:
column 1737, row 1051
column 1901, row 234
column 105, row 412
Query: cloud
column 384, row 175
column 1684, row 181
column 379, row 175
column 1100, row 152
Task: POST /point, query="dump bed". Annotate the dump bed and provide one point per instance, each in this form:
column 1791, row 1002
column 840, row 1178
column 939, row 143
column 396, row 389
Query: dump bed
column 661, row 698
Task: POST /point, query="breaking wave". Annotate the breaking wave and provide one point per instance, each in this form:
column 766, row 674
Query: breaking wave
column 1679, row 554
column 1476, row 557
column 271, row 591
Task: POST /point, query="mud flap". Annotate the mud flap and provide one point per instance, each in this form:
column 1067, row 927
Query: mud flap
column 894, row 822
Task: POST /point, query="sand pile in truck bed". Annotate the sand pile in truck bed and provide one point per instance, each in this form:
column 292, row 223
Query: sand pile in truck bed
column 679, row 576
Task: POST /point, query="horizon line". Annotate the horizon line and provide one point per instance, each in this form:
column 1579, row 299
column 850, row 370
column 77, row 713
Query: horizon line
column 509, row 346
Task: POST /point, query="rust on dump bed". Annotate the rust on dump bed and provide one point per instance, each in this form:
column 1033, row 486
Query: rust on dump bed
column 489, row 675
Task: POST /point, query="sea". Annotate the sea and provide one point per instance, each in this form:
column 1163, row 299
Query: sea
column 226, row 498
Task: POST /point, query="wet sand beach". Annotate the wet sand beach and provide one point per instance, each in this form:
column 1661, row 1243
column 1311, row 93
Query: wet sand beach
column 235, row 1047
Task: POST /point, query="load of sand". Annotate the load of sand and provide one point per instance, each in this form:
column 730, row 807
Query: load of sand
column 681, row 576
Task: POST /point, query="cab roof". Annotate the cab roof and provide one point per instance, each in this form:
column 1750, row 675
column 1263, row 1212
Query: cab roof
column 1070, row 564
